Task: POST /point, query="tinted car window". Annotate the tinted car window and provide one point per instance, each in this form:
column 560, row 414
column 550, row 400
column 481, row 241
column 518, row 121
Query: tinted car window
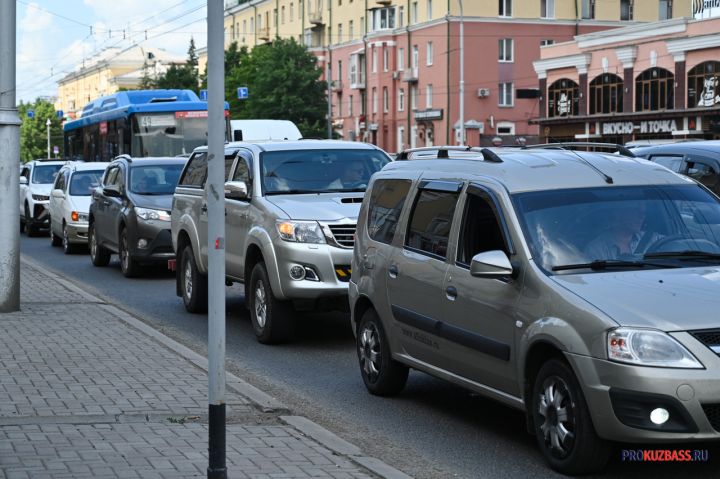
column 83, row 183
column 672, row 162
column 45, row 174
column 154, row 179
column 59, row 182
column 196, row 171
column 111, row 176
column 430, row 222
column 386, row 202
column 480, row 230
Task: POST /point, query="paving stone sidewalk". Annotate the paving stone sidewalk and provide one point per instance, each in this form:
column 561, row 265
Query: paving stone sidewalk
column 85, row 394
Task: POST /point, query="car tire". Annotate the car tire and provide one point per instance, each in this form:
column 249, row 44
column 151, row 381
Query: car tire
column 193, row 284
column 30, row 229
column 68, row 248
column 55, row 240
column 382, row 375
column 563, row 426
column 128, row 265
column 273, row 320
column 99, row 255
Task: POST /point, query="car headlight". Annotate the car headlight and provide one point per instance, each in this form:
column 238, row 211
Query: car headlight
column 150, row 214
column 648, row 347
column 41, row 198
column 300, row 231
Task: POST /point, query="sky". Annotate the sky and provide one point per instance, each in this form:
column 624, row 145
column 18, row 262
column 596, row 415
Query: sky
column 55, row 36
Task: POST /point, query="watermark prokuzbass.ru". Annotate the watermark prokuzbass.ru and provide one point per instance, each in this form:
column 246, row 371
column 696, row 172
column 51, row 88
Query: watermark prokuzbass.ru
column 665, row 455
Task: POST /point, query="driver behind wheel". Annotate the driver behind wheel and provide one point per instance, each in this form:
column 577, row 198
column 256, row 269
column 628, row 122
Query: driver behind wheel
column 626, row 236
column 351, row 176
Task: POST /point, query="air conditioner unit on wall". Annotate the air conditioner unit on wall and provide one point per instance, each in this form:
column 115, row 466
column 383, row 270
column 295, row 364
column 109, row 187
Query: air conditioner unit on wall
column 483, row 92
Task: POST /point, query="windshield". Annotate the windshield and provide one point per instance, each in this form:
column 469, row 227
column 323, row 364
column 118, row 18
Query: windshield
column 154, row 179
column 84, row 182
column 45, row 174
column 621, row 226
column 319, row 171
column 168, row 134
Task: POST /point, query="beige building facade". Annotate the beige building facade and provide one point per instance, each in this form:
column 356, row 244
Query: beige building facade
column 108, row 72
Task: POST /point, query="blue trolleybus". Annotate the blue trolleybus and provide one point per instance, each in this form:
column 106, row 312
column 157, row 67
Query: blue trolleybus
column 139, row 123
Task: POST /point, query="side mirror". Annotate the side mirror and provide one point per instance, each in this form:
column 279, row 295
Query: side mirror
column 111, row 192
column 236, row 190
column 23, row 180
column 491, row 264
column 58, row 193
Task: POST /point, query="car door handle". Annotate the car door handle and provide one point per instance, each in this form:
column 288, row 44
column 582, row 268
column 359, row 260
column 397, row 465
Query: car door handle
column 451, row 293
column 393, row 271
column 203, row 209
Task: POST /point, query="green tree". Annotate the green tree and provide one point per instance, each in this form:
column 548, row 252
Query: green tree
column 183, row 76
column 146, row 81
column 283, row 81
column 33, row 131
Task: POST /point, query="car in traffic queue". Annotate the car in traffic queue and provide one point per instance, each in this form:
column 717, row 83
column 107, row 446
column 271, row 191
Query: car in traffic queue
column 69, row 204
column 130, row 213
column 581, row 288
column 36, row 180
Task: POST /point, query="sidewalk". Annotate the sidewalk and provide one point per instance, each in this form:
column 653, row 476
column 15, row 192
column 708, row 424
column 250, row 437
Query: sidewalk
column 86, row 390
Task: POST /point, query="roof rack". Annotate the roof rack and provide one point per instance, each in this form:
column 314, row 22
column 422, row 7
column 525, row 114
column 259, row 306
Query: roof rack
column 442, row 153
column 125, row 156
column 624, row 151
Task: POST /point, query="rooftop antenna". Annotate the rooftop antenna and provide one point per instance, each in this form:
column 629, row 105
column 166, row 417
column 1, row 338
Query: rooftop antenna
column 608, row 179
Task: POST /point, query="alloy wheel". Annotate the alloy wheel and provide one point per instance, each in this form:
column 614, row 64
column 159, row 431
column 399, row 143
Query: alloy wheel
column 65, row 239
column 558, row 412
column 187, row 278
column 369, row 351
column 124, row 256
column 93, row 244
column 260, row 304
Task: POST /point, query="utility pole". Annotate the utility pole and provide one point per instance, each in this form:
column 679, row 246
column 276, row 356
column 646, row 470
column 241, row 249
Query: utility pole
column 462, row 75
column 9, row 164
column 47, row 124
column 215, row 193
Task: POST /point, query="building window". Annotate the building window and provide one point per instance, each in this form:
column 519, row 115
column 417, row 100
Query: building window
column 363, row 100
column 351, row 30
column 563, row 98
column 415, row 56
column 339, row 105
column 429, row 59
column 350, row 106
column 386, row 61
column 252, row 25
column 505, row 8
column 374, row 100
column 386, row 100
column 505, row 47
column 505, row 128
column 414, row 13
column 606, row 94
column 666, row 9
column 340, row 32
column 401, row 99
column 588, row 9
column 505, row 91
column 374, row 60
column 413, row 97
column 627, row 9
column 292, row 10
column 429, row 10
column 655, row 90
column 428, row 96
column 704, row 85
column 401, row 59
column 401, row 17
column 244, row 30
column 339, row 71
column 383, row 18
column 546, row 42
column 547, row 8
column 357, row 69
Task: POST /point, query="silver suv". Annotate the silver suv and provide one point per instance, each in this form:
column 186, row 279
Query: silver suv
column 581, row 288
column 291, row 210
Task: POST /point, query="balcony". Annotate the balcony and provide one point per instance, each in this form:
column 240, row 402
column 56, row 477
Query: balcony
column 316, row 19
column 410, row 75
column 383, row 2
column 357, row 82
column 336, row 85
column 264, row 33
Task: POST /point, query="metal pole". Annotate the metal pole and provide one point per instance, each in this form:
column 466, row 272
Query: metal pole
column 329, row 113
column 215, row 192
column 9, row 165
column 462, row 75
column 47, row 124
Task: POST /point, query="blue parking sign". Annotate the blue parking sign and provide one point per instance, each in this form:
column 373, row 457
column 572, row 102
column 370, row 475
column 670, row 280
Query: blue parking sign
column 60, row 113
column 242, row 93
column 203, row 95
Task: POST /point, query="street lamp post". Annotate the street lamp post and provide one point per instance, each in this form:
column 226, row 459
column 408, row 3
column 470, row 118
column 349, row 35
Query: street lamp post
column 47, row 124
column 462, row 75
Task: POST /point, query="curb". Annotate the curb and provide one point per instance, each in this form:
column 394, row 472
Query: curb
column 262, row 400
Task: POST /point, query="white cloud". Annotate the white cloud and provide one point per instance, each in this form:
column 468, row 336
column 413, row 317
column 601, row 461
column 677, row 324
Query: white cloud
column 35, row 19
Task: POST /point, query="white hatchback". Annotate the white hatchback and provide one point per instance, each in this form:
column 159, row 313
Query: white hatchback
column 70, row 202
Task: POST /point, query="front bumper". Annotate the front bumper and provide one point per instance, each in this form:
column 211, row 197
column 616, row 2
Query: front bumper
column 40, row 214
column 617, row 394
column 330, row 264
column 77, row 233
column 158, row 240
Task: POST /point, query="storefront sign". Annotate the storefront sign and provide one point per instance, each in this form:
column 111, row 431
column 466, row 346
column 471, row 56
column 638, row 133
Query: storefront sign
column 642, row 127
column 705, row 9
column 429, row 114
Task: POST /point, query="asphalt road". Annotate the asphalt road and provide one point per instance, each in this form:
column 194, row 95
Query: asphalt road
column 431, row 430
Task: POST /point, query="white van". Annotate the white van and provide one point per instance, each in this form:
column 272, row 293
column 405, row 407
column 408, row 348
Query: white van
column 252, row 130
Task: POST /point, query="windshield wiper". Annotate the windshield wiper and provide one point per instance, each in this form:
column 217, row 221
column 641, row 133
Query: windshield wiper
column 689, row 254
column 293, row 192
column 602, row 264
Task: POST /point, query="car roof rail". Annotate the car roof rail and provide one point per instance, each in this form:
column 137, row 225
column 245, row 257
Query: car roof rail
column 124, row 156
column 443, row 153
column 569, row 145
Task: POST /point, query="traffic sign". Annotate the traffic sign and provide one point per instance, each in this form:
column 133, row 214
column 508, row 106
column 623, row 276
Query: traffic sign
column 56, row 150
column 203, row 95
column 60, row 114
column 31, row 114
column 242, row 93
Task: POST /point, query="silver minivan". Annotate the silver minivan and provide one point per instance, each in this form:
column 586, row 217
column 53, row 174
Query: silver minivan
column 581, row 288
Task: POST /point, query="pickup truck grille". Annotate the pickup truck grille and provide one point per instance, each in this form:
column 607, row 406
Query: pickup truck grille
column 709, row 337
column 344, row 234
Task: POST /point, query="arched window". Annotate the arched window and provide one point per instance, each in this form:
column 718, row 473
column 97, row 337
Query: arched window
column 704, row 85
column 654, row 90
column 563, row 98
column 606, row 94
